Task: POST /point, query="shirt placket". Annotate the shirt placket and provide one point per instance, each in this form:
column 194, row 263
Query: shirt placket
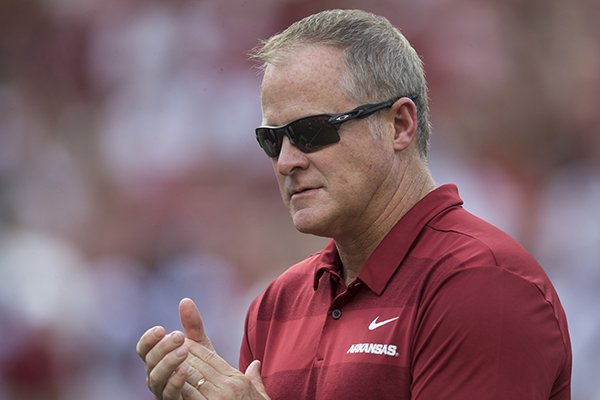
column 341, row 295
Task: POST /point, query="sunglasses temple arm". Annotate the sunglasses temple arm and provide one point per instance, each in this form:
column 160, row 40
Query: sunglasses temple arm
column 363, row 111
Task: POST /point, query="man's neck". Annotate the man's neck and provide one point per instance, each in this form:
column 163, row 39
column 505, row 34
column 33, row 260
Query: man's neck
column 356, row 248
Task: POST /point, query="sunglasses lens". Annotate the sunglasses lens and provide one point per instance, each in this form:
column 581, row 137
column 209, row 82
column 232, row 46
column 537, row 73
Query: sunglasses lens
column 269, row 140
column 307, row 134
column 310, row 134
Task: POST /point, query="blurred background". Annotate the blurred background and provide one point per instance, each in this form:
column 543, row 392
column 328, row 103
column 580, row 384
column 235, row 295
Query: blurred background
column 130, row 176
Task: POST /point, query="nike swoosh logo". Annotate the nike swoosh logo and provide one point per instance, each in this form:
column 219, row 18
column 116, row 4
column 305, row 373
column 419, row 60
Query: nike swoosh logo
column 374, row 324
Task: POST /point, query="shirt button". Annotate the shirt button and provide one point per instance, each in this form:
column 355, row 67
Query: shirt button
column 336, row 314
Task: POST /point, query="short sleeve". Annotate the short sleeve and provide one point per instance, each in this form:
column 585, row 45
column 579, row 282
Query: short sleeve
column 487, row 334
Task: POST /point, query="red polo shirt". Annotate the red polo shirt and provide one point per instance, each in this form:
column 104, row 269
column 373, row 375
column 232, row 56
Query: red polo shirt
column 446, row 307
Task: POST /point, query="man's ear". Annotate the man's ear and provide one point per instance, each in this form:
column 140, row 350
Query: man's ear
column 405, row 123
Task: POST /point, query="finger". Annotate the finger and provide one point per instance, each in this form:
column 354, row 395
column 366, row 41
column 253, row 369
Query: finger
column 192, row 322
column 200, row 375
column 214, row 384
column 209, row 382
column 178, row 389
column 174, row 387
column 159, row 376
column 166, row 345
column 189, row 392
column 203, row 386
column 148, row 340
column 253, row 373
column 205, row 356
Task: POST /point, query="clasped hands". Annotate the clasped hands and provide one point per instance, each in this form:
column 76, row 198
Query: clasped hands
column 186, row 366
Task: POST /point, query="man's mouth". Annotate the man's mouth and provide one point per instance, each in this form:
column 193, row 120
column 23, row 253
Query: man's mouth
column 302, row 191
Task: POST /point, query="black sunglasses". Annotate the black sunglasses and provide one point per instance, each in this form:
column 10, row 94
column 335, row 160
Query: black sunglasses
column 311, row 133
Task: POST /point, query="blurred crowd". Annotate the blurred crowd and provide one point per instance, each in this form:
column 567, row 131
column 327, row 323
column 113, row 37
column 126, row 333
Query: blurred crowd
column 130, row 176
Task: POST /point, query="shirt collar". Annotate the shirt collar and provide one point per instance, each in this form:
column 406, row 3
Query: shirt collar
column 389, row 254
column 328, row 261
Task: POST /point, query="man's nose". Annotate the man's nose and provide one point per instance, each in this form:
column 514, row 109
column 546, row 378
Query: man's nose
column 290, row 158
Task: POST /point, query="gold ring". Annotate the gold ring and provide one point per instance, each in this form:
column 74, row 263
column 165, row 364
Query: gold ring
column 200, row 382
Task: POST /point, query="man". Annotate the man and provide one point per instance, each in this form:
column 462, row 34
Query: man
column 413, row 298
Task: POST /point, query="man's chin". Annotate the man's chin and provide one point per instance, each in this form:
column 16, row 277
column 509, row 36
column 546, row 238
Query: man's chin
column 311, row 223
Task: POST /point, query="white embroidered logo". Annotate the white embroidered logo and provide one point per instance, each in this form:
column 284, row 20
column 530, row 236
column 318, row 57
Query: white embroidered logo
column 374, row 324
column 374, row 348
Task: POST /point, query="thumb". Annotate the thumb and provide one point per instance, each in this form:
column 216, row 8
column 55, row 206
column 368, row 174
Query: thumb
column 192, row 323
column 253, row 373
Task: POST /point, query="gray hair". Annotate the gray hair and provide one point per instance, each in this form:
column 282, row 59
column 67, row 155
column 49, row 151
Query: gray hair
column 380, row 62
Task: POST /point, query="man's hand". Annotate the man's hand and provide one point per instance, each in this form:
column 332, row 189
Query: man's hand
column 180, row 368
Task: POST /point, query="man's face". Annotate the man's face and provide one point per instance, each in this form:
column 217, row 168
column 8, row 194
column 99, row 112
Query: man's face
column 338, row 190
